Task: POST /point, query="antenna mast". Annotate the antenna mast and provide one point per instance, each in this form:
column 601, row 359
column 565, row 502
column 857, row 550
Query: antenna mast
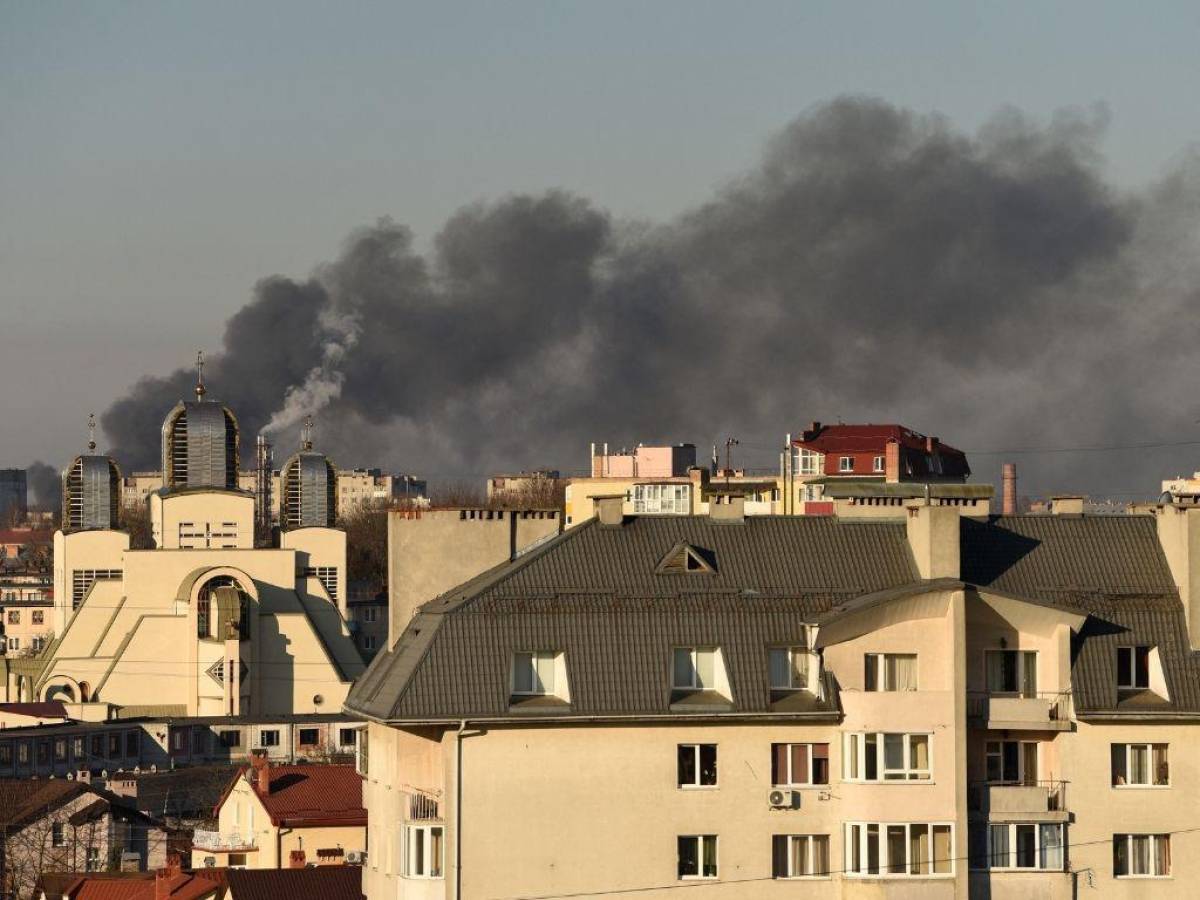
column 200, row 392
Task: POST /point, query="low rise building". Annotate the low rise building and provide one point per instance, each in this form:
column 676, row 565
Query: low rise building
column 932, row 705
column 171, row 883
column 273, row 817
column 26, row 613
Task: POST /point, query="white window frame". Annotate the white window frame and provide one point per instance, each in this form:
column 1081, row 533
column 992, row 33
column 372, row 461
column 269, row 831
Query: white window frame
column 262, row 738
column 1037, row 846
column 1022, row 689
column 877, row 464
column 881, row 686
column 884, row 863
column 695, row 652
column 810, row 663
column 670, row 499
column 537, row 684
column 697, row 785
column 1154, row 839
column 809, row 840
column 845, row 464
column 1132, row 650
column 422, row 868
column 700, row 840
column 808, row 462
column 1149, row 748
column 854, row 751
column 791, row 776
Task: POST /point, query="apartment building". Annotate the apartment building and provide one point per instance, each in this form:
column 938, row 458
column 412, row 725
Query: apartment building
column 26, row 611
column 932, row 706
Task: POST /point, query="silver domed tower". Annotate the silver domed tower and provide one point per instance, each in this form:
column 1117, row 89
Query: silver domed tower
column 200, row 442
column 91, row 490
column 308, row 487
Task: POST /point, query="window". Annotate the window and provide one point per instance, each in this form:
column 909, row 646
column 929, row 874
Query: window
column 237, row 860
column 370, row 642
column 77, row 750
column 813, row 493
column 1141, row 855
column 533, row 672
column 93, row 859
column 1012, row 762
column 370, row 614
column 43, row 751
column 877, row 464
column 800, row 855
column 97, row 743
column 423, row 858
column 663, row 499
column 60, row 749
column 899, row 849
column 14, row 643
column 230, row 737
column 38, row 643
column 697, row 765
column 1140, row 765
column 14, row 617
column 5, row 753
column 694, row 668
column 310, row 737
column 23, row 752
column 789, row 668
column 846, row 464
column 1025, row 846
column 133, row 741
column 891, row 671
column 798, row 765
column 1133, row 668
column 83, row 579
column 363, row 755
column 808, row 462
column 268, row 737
column 697, row 856
column 114, row 744
column 346, row 736
column 879, row 756
column 1012, row 672
column 57, row 838
column 39, row 617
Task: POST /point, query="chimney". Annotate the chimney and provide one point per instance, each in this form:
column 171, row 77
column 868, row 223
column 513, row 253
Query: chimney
column 1008, row 476
column 610, row 509
column 814, row 428
column 296, row 859
column 260, row 769
column 934, row 540
column 163, row 877
column 1179, row 535
column 891, row 461
column 727, row 508
column 1065, row 505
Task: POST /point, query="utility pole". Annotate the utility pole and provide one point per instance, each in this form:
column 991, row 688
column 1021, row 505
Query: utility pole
column 729, row 442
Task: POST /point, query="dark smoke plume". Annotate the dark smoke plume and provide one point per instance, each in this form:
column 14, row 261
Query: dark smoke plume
column 876, row 265
column 45, row 487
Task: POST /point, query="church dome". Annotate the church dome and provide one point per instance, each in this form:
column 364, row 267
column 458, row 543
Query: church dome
column 200, row 443
column 91, row 492
column 308, row 485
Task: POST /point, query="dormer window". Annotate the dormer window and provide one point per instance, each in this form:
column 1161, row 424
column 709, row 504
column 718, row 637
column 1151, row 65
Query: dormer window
column 694, row 668
column 535, row 673
column 684, row 559
column 846, row 464
column 1133, row 668
column 790, row 668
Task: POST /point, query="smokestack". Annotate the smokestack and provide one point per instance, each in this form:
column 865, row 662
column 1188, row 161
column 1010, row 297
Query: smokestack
column 1008, row 474
column 264, row 466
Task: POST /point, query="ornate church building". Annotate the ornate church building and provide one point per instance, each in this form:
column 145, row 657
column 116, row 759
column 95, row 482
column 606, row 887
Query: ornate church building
column 205, row 622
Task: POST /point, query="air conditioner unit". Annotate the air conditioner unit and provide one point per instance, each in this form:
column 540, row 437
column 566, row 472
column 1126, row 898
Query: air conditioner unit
column 356, row 857
column 783, row 799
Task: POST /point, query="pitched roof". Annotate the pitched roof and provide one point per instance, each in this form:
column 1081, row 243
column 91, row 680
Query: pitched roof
column 205, row 885
column 835, row 439
column 48, row 709
column 308, row 795
column 1113, row 569
column 320, row 883
column 596, row 594
column 24, row 800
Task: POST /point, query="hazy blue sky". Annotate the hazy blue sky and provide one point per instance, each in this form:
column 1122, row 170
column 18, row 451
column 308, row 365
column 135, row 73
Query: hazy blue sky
column 158, row 158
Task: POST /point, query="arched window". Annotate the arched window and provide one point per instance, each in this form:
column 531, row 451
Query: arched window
column 207, row 618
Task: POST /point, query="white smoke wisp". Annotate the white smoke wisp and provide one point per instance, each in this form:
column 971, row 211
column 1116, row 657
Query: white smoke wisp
column 323, row 383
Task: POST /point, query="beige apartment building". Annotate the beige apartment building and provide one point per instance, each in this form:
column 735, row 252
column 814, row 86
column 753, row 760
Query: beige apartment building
column 928, row 706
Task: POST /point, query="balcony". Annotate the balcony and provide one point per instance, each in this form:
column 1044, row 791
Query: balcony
column 1031, row 801
column 233, row 841
column 1042, row 711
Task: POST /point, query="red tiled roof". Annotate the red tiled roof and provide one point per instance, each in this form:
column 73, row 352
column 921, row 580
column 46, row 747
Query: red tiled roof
column 206, row 885
column 846, row 439
column 46, row 709
column 313, row 795
column 321, row 883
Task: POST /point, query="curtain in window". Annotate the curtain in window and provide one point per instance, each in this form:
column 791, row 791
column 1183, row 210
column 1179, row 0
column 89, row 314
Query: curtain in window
column 800, row 774
column 1139, row 764
column 435, row 852
column 897, row 855
column 903, row 672
column 800, row 855
column 1029, row 763
column 1140, row 854
column 710, row 856
column 779, row 760
column 820, row 854
column 1052, row 848
column 918, row 849
column 995, row 671
column 1029, row 683
column 998, row 839
column 799, row 673
column 1162, row 772
column 1163, row 854
column 943, row 850
column 778, row 658
column 919, row 751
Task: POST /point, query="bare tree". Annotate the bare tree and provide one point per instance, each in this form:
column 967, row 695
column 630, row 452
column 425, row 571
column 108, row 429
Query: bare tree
column 136, row 521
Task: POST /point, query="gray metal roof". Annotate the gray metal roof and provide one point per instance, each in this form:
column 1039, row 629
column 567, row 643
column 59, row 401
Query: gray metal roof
column 593, row 594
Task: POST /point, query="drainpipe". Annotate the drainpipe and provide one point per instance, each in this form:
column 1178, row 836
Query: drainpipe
column 458, row 829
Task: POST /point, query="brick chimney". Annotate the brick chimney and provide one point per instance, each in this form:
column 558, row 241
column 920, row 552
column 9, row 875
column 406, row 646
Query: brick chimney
column 891, row 462
column 163, row 877
column 1008, row 476
column 810, row 433
column 610, row 509
column 296, row 859
column 260, row 767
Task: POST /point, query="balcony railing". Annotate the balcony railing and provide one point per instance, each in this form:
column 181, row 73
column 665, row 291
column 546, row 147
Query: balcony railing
column 222, row 840
column 1046, row 708
column 1032, row 798
column 422, row 807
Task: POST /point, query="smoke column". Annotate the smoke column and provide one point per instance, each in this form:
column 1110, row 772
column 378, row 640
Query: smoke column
column 876, row 264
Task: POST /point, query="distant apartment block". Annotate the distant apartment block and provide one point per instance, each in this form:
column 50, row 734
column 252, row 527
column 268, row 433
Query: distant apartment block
column 14, row 496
